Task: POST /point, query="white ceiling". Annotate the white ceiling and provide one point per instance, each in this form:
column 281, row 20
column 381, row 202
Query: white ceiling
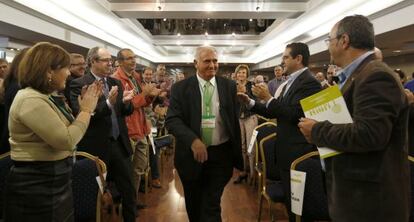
column 115, row 22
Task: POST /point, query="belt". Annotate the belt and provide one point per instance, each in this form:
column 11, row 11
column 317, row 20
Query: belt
column 37, row 163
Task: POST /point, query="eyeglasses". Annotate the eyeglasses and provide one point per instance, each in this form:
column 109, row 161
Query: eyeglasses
column 107, row 60
column 130, row 58
column 78, row 64
column 329, row 39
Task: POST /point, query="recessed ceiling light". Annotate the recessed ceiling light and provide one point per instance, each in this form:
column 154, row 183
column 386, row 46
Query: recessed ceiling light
column 165, row 19
column 178, row 34
column 206, row 33
column 396, row 51
column 251, row 20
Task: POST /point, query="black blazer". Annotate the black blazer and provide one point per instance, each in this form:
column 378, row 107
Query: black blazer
column 97, row 138
column 370, row 180
column 9, row 95
column 290, row 143
column 184, row 122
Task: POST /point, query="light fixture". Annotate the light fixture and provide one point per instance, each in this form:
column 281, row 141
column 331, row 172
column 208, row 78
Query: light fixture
column 206, row 33
column 233, row 34
column 251, row 20
column 165, row 19
column 396, row 51
column 178, row 34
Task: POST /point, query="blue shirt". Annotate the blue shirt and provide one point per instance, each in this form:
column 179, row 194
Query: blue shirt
column 410, row 85
column 344, row 74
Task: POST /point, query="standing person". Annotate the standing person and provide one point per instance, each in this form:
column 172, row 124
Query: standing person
column 138, row 129
column 4, row 65
column 39, row 184
column 77, row 69
column 247, row 120
column 370, row 179
column 11, row 86
column 275, row 83
column 290, row 143
column 107, row 135
column 207, row 132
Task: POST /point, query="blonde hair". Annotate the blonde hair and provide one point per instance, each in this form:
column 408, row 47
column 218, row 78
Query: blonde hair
column 242, row 66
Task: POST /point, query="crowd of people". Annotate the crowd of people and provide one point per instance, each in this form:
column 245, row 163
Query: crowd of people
column 55, row 103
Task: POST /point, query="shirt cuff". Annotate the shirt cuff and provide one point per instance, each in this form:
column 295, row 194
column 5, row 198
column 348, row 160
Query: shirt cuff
column 270, row 100
column 251, row 104
column 108, row 104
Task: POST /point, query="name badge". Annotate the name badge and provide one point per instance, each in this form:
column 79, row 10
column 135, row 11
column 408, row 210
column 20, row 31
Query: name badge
column 208, row 122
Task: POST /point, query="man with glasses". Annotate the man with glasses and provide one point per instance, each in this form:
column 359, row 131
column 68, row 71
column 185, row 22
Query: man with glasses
column 77, row 69
column 107, row 134
column 370, row 179
column 290, row 143
column 138, row 128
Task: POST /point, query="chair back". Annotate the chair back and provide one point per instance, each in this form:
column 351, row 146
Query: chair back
column 268, row 157
column 5, row 165
column 264, row 130
column 315, row 201
column 86, row 195
column 164, row 141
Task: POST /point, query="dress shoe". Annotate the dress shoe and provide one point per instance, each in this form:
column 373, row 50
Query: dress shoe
column 240, row 179
column 156, row 183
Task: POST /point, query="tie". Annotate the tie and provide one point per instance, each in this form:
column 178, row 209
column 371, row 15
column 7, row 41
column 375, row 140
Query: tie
column 207, row 133
column 115, row 128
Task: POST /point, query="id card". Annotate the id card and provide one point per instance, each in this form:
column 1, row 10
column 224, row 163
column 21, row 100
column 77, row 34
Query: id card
column 208, row 122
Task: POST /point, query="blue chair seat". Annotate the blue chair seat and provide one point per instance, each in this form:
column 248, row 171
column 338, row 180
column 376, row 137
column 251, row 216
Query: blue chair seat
column 274, row 190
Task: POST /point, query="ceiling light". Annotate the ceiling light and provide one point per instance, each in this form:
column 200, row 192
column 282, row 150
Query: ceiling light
column 396, row 51
column 233, row 34
column 251, row 20
column 165, row 19
column 206, row 33
column 178, row 34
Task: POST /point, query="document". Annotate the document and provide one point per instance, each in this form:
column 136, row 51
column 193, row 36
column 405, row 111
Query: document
column 328, row 104
column 297, row 188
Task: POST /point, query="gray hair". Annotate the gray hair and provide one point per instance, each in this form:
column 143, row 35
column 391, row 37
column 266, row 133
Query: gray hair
column 92, row 55
column 203, row 48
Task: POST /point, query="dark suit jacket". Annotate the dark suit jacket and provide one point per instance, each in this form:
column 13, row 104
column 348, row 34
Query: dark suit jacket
column 370, row 180
column 97, row 138
column 290, row 143
column 9, row 95
column 184, row 122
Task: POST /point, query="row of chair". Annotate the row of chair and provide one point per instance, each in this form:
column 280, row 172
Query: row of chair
column 315, row 206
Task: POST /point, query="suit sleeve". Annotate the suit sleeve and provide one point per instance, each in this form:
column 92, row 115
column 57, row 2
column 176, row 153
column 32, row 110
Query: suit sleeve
column 375, row 110
column 126, row 109
column 101, row 109
column 175, row 118
column 290, row 109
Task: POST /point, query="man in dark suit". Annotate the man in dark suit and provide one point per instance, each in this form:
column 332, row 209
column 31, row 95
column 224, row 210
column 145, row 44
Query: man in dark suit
column 369, row 180
column 290, row 143
column 107, row 135
column 77, row 69
column 207, row 132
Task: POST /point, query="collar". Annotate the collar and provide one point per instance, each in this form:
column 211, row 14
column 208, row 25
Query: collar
column 350, row 68
column 202, row 82
column 295, row 75
column 97, row 77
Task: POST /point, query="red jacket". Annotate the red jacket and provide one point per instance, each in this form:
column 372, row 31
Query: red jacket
column 136, row 122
